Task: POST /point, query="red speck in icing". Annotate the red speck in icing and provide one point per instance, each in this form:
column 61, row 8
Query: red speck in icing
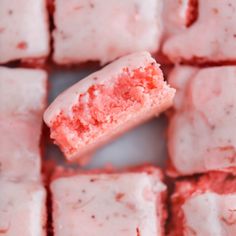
column 119, row 196
column 22, row 45
column 138, row 232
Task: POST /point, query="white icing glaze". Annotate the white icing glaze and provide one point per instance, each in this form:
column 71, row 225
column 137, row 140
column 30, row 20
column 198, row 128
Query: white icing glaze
column 179, row 78
column 22, row 91
column 22, row 209
column 104, row 204
column 210, row 214
column 23, row 30
column 201, row 133
column 211, row 37
column 174, row 16
column 19, row 147
column 83, row 33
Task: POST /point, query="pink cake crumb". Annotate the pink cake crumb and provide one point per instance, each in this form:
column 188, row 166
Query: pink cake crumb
column 106, row 103
column 127, row 203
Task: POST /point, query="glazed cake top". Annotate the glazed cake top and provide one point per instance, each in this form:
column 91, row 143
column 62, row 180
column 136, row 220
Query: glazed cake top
column 134, row 25
column 201, row 130
column 19, row 145
column 210, row 214
column 24, row 32
column 216, row 19
column 22, row 208
column 103, row 203
column 204, row 205
column 22, row 90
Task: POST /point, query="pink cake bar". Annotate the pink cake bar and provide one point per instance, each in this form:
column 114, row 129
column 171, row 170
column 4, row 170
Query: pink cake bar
column 201, row 31
column 22, row 209
column 22, row 102
column 105, row 30
column 24, row 33
column 124, row 203
column 204, row 207
column 107, row 103
column 201, row 134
